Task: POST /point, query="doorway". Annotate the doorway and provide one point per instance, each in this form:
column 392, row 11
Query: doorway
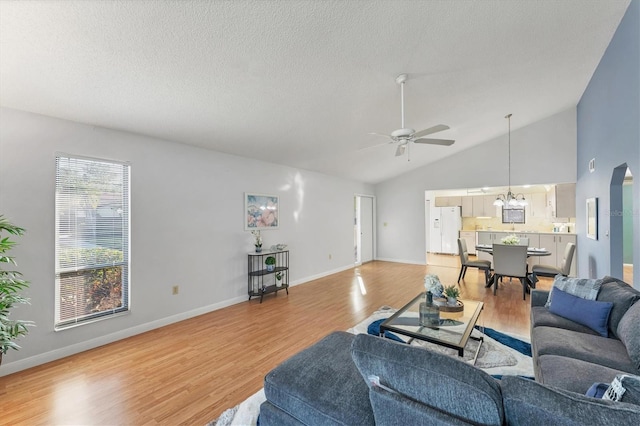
column 621, row 223
column 363, row 230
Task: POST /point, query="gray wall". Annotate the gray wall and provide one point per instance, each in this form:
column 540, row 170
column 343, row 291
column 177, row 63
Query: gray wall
column 186, row 226
column 543, row 152
column 609, row 131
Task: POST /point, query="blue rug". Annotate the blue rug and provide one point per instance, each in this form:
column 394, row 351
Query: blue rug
column 516, row 344
column 500, row 362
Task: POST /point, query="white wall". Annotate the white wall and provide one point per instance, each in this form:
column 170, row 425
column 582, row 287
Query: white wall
column 543, row 152
column 186, row 226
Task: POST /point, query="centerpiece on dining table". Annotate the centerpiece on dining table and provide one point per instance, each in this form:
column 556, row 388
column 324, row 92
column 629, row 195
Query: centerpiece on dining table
column 510, row 240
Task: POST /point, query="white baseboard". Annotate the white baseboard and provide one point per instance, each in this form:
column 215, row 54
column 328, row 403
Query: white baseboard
column 411, row 262
column 33, row 361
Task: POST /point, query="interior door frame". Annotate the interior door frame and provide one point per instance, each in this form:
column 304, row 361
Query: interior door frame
column 358, row 229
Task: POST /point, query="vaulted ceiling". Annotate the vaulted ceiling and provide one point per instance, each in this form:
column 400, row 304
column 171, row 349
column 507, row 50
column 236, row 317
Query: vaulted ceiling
column 303, row 83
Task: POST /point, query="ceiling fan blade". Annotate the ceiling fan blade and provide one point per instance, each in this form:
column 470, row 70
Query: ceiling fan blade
column 380, row 134
column 430, row 130
column 445, row 142
column 376, row 145
column 400, row 149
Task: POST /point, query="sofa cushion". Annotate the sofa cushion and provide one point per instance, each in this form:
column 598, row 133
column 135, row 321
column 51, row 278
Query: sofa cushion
column 582, row 287
column 435, row 381
column 622, row 295
column 591, row 313
column 570, row 373
column 542, row 317
column 629, row 332
column 587, row 347
column 529, row 403
column 321, row 385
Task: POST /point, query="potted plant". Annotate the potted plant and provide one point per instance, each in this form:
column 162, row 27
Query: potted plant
column 279, row 277
column 452, row 294
column 257, row 240
column 270, row 262
column 11, row 284
column 511, row 240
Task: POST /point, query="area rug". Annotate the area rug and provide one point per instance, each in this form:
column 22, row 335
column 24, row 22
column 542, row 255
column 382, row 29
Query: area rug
column 500, row 354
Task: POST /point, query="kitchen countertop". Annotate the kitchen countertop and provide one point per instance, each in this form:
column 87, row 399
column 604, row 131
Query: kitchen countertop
column 518, row 232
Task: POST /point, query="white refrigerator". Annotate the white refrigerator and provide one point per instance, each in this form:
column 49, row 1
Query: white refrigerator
column 444, row 228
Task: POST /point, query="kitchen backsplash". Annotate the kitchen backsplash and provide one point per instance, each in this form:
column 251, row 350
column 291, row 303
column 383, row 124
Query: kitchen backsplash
column 533, row 224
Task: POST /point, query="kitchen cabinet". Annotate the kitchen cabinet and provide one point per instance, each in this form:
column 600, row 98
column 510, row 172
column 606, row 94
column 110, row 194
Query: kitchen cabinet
column 556, row 244
column 448, row 201
column 565, row 200
column 470, row 238
column 537, row 205
column 482, row 205
column 467, row 207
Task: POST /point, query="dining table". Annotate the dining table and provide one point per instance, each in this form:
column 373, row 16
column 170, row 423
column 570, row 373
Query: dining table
column 531, row 252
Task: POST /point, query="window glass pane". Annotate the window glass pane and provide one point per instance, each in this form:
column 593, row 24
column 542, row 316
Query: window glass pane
column 92, row 229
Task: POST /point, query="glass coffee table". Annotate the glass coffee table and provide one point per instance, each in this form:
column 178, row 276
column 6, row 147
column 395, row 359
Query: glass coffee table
column 453, row 331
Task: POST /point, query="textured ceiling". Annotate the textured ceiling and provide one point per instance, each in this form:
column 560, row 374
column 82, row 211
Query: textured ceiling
column 302, row 83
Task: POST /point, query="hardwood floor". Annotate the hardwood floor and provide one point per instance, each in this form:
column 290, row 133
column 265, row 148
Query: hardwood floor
column 189, row 372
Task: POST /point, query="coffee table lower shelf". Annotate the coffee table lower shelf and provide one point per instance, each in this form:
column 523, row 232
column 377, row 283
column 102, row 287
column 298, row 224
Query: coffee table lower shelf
column 406, row 322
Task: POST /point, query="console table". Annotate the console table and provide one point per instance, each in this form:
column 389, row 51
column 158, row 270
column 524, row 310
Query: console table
column 262, row 279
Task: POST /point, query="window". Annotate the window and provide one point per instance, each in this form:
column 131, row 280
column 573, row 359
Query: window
column 92, row 239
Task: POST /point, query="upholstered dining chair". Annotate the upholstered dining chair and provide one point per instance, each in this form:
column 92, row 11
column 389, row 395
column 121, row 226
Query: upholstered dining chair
column 552, row 271
column 484, row 265
column 510, row 261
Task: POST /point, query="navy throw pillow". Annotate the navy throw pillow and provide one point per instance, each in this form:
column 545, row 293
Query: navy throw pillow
column 591, row 313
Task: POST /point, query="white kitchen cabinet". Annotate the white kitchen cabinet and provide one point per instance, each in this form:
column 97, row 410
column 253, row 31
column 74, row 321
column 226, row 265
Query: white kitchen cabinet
column 452, row 201
column 556, row 244
column 566, row 200
column 467, row 207
column 537, row 205
column 489, row 209
column 482, row 205
column 470, row 238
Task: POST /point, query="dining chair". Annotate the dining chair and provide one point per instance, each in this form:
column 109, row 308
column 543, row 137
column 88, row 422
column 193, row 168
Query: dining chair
column 552, row 271
column 510, row 261
column 484, row 265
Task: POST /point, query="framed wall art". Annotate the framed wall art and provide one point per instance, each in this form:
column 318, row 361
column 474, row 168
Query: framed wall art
column 592, row 218
column 261, row 211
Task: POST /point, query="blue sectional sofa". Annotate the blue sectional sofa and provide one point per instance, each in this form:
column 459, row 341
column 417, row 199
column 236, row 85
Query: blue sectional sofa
column 347, row 379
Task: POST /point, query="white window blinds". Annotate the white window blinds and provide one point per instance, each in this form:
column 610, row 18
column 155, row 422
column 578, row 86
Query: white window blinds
column 92, row 239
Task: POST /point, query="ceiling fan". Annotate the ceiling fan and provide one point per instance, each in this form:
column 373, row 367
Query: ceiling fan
column 404, row 135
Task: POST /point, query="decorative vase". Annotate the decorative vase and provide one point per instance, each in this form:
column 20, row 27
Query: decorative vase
column 258, row 249
column 429, row 313
column 270, row 268
column 452, row 301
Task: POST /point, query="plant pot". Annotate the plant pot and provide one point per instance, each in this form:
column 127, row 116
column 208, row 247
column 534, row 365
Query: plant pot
column 452, row 301
column 258, row 249
column 270, row 268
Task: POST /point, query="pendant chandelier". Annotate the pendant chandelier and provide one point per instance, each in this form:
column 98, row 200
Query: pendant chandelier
column 510, row 200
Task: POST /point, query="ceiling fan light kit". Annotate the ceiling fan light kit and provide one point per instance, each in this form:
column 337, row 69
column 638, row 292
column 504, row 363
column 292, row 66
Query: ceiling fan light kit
column 510, row 199
column 404, row 135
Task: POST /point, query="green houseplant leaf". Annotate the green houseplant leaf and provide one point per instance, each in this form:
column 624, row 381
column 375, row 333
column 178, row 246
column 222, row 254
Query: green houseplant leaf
column 11, row 284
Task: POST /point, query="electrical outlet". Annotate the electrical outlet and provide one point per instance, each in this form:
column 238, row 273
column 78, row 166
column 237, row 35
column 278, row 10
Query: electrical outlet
column 175, row 289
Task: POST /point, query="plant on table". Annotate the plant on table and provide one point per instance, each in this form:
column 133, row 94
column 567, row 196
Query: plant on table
column 510, row 240
column 432, row 284
column 11, row 283
column 257, row 240
column 270, row 262
column 451, row 292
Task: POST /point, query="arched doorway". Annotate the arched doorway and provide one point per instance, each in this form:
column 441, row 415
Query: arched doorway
column 621, row 223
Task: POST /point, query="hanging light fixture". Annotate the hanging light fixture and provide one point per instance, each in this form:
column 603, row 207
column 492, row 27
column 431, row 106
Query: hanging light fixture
column 510, row 199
